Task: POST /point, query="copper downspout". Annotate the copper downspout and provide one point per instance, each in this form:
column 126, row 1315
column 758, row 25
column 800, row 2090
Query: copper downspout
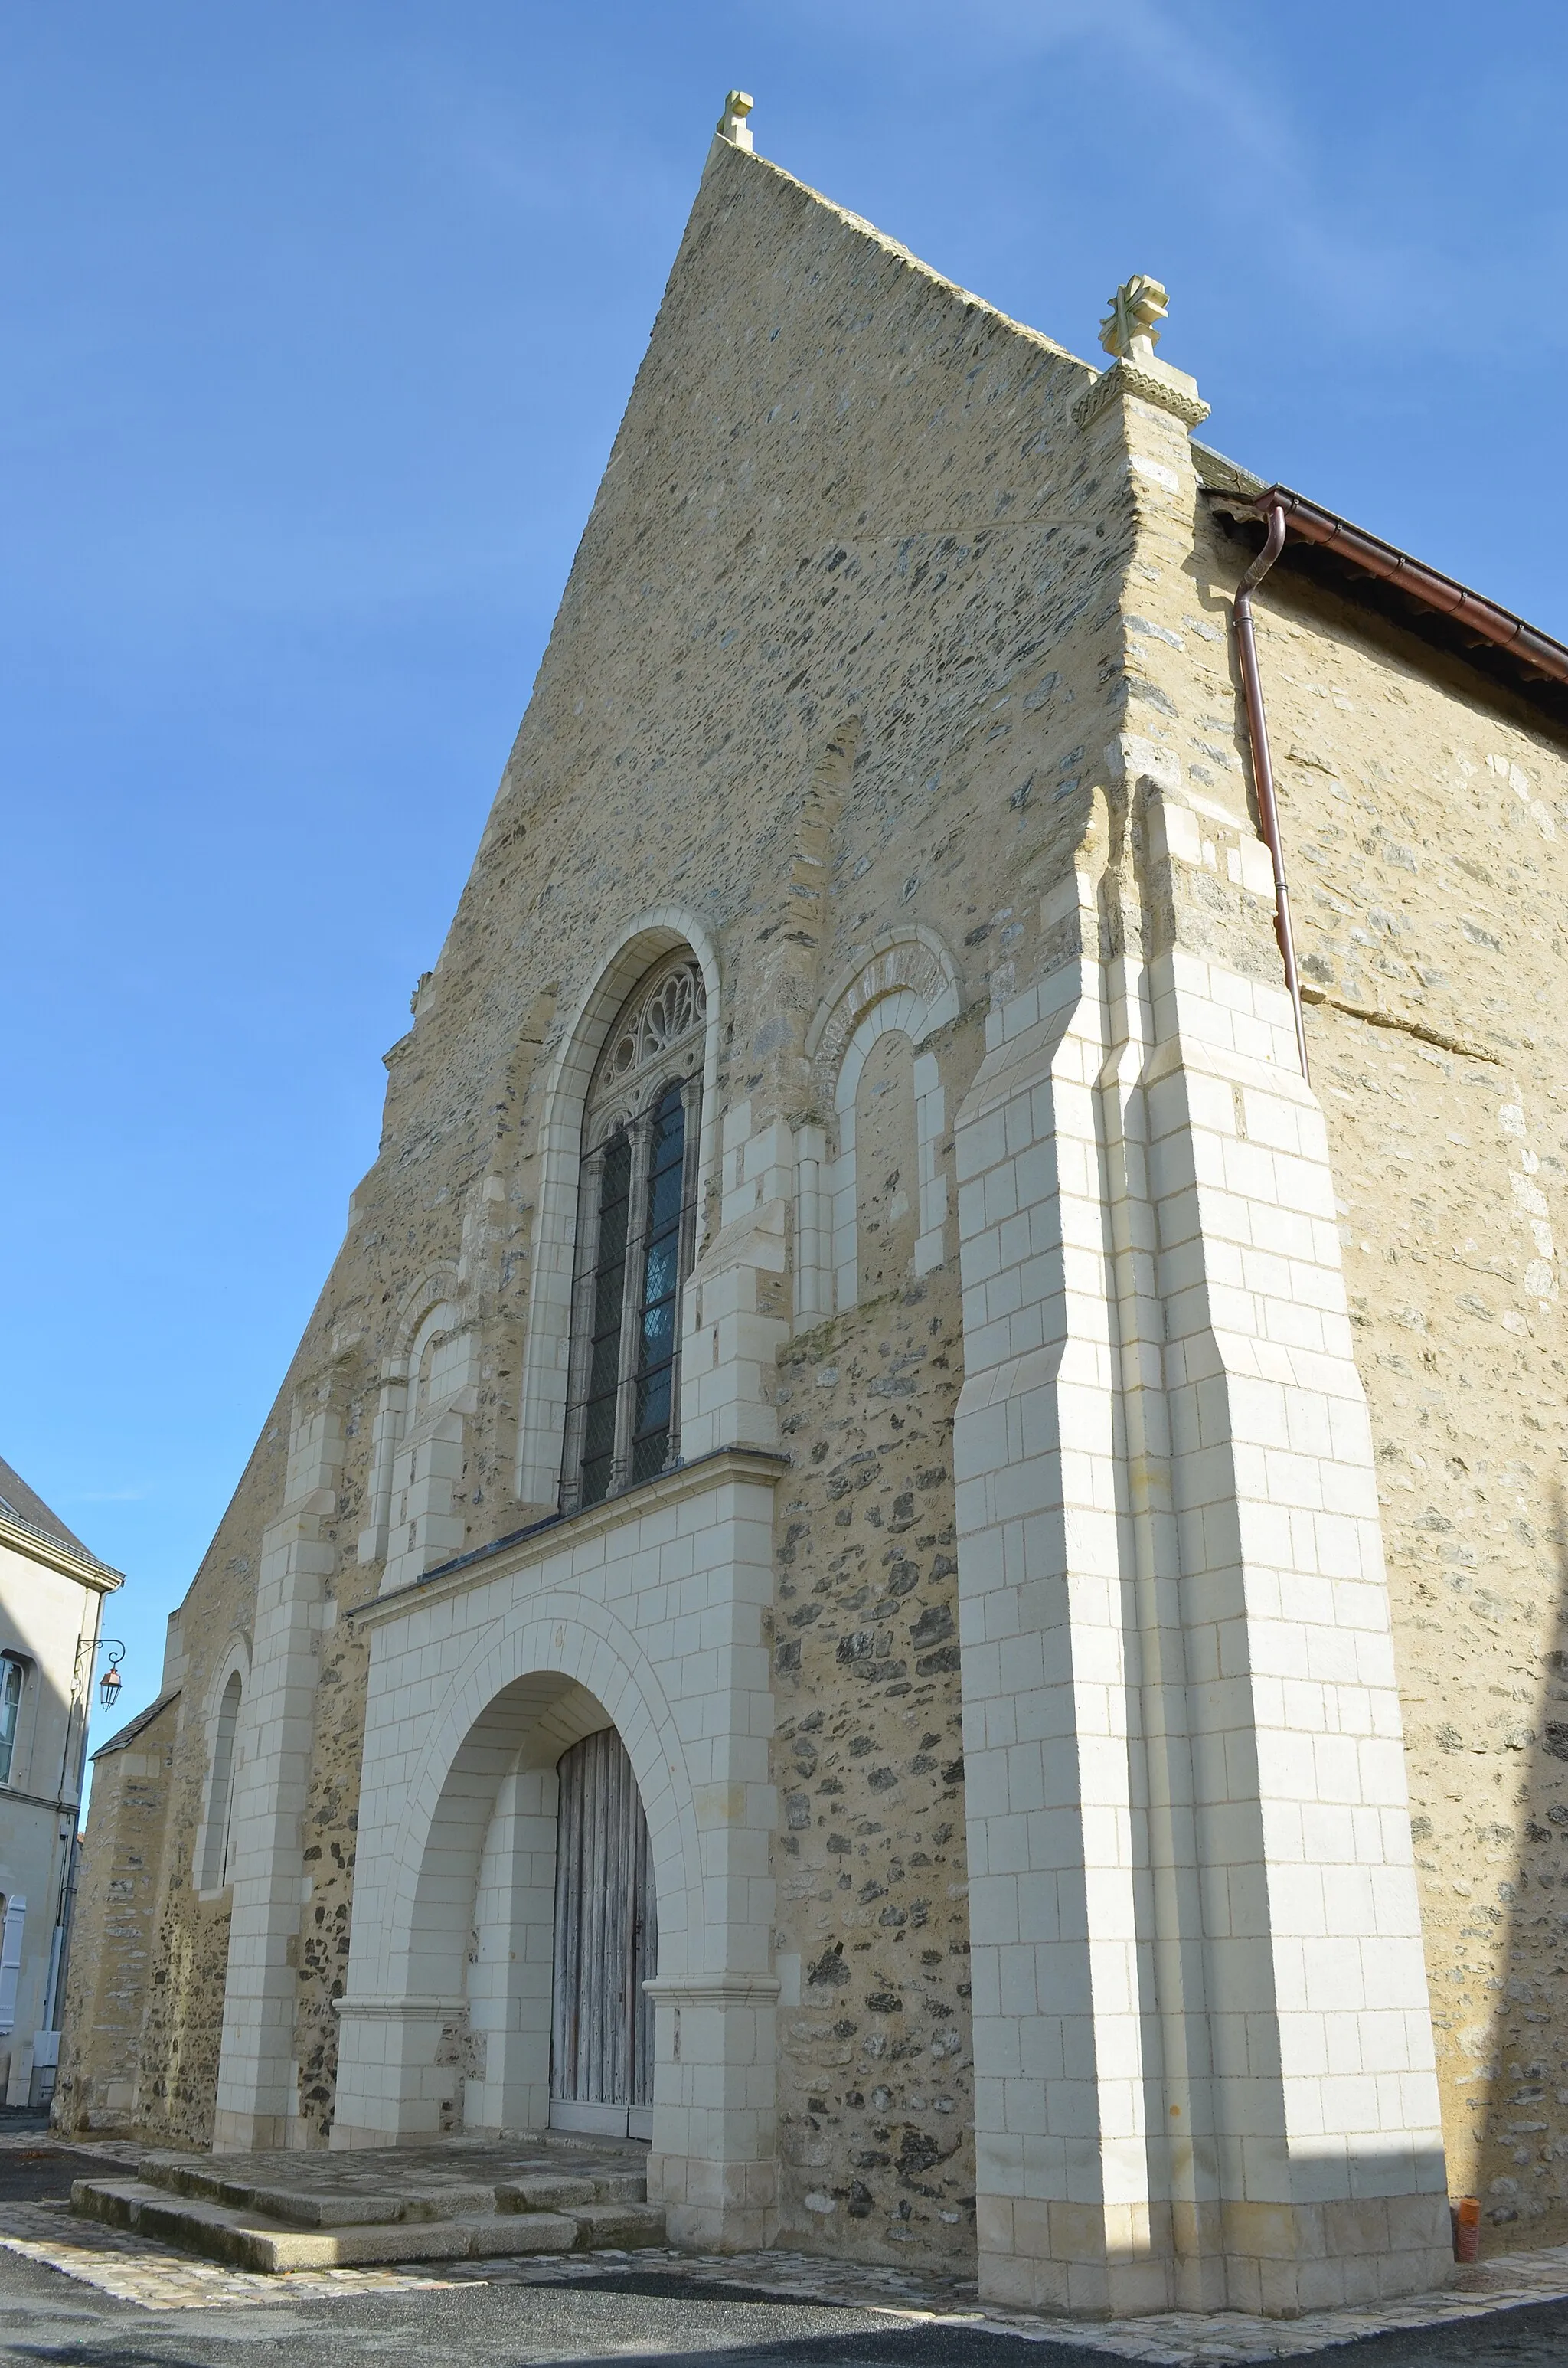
column 1262, row 769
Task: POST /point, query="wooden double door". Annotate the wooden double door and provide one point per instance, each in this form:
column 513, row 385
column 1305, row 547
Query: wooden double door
column 607, row 1946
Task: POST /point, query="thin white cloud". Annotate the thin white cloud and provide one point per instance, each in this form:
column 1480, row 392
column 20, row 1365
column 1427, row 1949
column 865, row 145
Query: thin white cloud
column 1327, row 243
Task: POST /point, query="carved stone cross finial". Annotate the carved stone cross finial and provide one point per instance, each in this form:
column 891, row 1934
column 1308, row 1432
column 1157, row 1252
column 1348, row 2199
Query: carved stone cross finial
column 733, row 124
column 1128, row 329
column 1129, row 333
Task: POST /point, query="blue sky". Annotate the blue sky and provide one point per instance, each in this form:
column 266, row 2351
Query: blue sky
column 319, row 319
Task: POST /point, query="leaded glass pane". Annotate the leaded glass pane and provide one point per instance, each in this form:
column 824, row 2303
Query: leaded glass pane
column 610, row 1291
column 621, row 1425
column 663, row 1263
column 660, row 1279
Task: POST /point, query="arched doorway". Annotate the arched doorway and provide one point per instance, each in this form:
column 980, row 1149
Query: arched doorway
column 606, row 1946
column 477, row 1692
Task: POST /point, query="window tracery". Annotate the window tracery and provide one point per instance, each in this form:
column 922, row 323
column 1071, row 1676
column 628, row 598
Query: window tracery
column 635, row 1229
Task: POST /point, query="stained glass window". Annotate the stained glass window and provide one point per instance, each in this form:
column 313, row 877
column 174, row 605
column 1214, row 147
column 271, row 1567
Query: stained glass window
column 636, row 1218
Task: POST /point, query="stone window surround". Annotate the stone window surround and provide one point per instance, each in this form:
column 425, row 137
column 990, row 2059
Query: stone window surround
column 623, row 1102
column 429, row 1310
column 663, row 929
column 910, row 982
column 18, row 1745
column 235, row 1662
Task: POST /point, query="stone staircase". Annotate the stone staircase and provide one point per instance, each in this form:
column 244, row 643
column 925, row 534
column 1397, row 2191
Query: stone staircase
column 277, row 2211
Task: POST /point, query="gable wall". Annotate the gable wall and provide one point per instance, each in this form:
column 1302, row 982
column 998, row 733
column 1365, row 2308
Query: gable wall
column 809, row 517
column 847, row 508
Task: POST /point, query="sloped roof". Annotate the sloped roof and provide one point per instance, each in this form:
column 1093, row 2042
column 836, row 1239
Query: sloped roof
column 24, row 1504
column 133, row 1727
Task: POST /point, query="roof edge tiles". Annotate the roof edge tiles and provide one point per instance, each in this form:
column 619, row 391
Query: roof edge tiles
column 1452, row 614
column 133, row 1727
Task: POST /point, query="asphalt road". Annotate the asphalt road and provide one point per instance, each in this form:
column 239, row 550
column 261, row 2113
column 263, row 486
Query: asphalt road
column 43, row 2173
column 49, row 2318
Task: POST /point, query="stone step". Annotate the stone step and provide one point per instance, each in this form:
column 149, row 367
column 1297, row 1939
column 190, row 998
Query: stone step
column 400, row 2196
column 247, row 2238
column 558, row 2191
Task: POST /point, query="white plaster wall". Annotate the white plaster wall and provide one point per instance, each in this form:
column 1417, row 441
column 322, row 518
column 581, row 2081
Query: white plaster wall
column 45, row 1615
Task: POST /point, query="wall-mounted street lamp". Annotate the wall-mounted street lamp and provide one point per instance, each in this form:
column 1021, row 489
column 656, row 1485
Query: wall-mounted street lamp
column 109, row 1683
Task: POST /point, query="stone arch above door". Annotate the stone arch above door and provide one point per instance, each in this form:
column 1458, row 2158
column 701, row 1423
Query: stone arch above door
column 618, row 1604
column 509, row 1683
column 524, row 1694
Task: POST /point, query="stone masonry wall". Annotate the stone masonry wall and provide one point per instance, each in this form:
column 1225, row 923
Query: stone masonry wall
column 111, row 1956
column 1424, row 815
column 819, row 516
column 876, row 2122
column 176, row 2057
column 848, row 509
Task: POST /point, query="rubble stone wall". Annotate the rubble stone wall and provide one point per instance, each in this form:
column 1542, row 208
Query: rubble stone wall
column 672, row 756
column 841, row 659
column 1425, row 821
column 877, row 2082
column 112, row 1953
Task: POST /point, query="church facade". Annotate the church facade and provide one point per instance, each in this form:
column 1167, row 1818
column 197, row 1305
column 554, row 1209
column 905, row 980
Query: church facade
column 905, row 1557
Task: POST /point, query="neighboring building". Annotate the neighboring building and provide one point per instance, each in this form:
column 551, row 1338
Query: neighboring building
column 51, row 1592
column 875, row 1458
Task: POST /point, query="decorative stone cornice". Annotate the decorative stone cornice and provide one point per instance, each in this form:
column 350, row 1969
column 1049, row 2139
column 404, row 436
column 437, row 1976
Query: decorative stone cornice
column 508, row 1556
column 39, row 1546
column 1152, row 381
column 713, row 1989
column 398, row 2010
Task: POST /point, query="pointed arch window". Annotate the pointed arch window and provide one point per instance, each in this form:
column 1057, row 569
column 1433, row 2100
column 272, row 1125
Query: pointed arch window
column 636, row 1224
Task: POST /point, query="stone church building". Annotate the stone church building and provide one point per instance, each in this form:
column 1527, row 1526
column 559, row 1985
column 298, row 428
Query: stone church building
column 917, row 1551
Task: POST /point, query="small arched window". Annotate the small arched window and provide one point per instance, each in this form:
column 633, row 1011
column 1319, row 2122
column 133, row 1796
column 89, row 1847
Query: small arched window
column 636, row 1221
column 13, row 1679
column 221, row 1791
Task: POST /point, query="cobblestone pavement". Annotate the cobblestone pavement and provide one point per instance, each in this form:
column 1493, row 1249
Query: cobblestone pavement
column 1507, row 2301
column 49, row 2321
